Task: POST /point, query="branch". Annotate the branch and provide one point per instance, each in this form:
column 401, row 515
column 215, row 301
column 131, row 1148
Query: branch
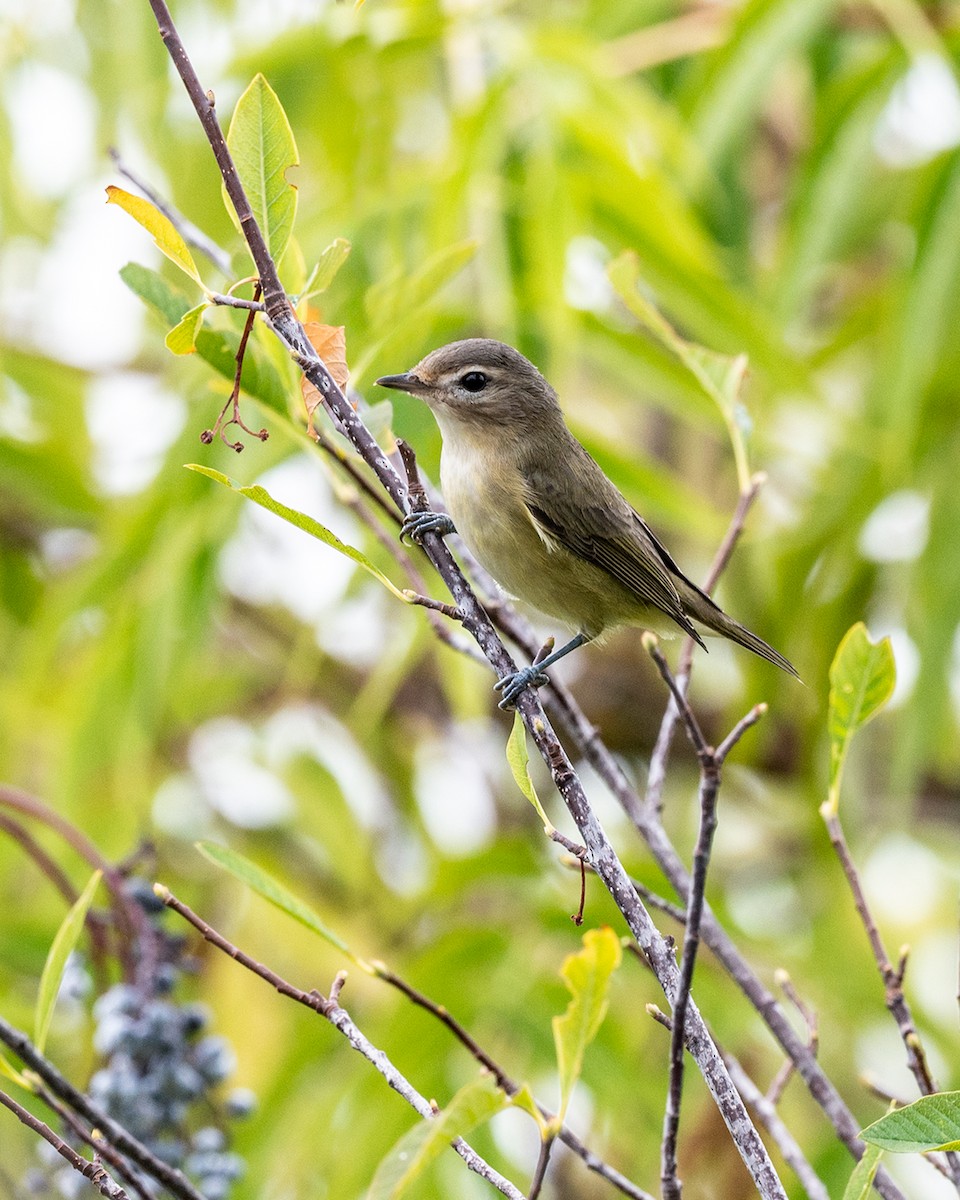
column 892, row 976
column 504, row 1081
column 656, row 775
column 89, row 1170
column 786, row 1143
column 601, row 854
column 330, row 1010
column 173, row 1180
column 710, row 766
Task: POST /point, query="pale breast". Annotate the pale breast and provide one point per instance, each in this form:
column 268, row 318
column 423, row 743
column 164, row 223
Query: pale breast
column 483, row 490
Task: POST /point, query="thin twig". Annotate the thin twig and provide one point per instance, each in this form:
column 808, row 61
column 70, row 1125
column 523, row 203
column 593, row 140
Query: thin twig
column 98, row 1143
column 540, row 1174
column 710, row 765
column 173, row 1180
column 196, row 237
column 89, row 1170
column 254, row 306
column 656, row 775
column 504, row 1081
column 891, row 976
column 331, row 1011
column 809, row 1017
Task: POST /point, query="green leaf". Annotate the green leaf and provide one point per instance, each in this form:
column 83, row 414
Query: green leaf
column 523, row 1099
column 473, row 1105
column 160, row 228
column 182, row 338
column 270, row 889
column 930, row 1123
column 327, row 266
column 718, row 375
column 587, row 975
column 63, row 943
column 263, row 149
column 519, row 762
column 262, row 497
column 766, row 34
column 260, row 379
column 860, row 1183
column 7, row 1068
column 862, row 679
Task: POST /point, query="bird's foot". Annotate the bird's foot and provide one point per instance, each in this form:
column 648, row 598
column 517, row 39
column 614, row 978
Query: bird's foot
column 416, row 526
column 512, row 685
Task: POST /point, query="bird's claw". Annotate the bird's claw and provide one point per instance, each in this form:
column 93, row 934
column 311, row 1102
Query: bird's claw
column 416, row 526
column 513, row 685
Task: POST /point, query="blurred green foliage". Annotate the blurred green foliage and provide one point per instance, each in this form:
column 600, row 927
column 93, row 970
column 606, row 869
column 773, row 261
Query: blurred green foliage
column 173, row 668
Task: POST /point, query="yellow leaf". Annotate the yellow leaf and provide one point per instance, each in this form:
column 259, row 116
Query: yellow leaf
column 160, row 228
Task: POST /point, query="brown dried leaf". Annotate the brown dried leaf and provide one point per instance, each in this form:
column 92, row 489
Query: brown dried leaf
column 330, row 343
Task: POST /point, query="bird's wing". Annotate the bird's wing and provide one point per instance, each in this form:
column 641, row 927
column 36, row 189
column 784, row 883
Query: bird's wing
column 608, row 534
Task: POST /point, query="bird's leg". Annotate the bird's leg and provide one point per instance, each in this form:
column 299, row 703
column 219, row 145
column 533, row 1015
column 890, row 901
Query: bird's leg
column 533, row 676
column 417, row 525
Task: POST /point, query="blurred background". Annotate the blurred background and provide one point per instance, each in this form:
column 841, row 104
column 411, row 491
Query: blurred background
column 177, row 664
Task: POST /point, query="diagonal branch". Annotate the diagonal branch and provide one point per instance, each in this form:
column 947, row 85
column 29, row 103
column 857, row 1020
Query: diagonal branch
column 602, row 857
column 330, row 1010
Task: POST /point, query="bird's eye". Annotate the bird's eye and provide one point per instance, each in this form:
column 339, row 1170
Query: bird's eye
column 474, row 381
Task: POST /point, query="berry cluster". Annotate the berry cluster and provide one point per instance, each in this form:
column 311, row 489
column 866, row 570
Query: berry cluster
column 162, row 1068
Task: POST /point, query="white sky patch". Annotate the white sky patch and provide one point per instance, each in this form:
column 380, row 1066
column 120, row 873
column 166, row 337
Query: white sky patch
column 922, row 117
column 903, row 881
column 67, row 300
column 223, row 755
column 132, row 421
column 932, row 975
column 300, row 729
column 585, row 282
column 454, row 793
column 269, row 561
column 897, row 529
column 53, row 122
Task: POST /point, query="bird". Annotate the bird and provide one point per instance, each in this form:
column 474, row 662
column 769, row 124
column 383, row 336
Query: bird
column 541, row 516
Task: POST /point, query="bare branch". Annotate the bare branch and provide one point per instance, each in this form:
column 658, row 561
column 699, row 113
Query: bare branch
column 330, row 1010
column 89, row 1170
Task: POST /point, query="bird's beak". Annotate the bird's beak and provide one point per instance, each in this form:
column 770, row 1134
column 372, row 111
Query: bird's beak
column 408, row 382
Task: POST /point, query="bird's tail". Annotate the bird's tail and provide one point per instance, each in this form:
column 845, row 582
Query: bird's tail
column 701, row 608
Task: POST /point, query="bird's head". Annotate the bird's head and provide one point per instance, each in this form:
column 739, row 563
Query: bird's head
column 478, row 381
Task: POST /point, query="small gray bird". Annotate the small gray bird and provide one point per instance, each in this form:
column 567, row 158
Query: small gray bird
column 540, row 515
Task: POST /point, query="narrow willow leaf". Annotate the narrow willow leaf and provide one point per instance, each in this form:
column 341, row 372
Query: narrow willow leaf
column 326, row 268
column 718, row 375
column 471, row 1106
column 860, row 1183
column 519, row 761
column 182, row 338
column 264, row 148
column 63, row 943
column 262, row 497
column 862, row 679
column 160, row 228
column 765, row 35
column 7, row 1068
column 930, row 1123
column 273, row 891
column 587, row 975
